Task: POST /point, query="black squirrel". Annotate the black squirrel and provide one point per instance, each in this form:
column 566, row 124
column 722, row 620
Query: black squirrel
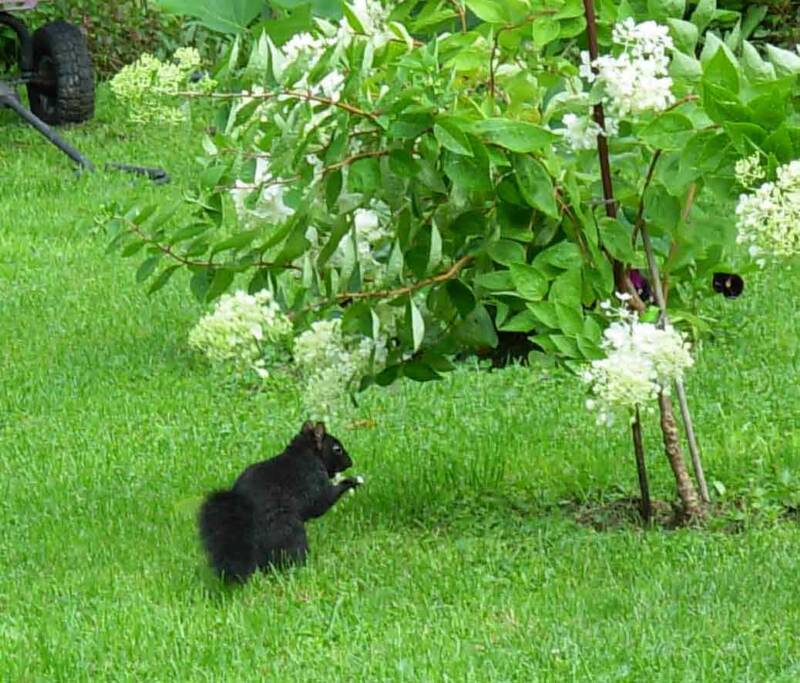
column 259, row 523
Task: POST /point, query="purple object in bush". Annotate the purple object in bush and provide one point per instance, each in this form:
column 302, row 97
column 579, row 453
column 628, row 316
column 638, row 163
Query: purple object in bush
column 640, row 284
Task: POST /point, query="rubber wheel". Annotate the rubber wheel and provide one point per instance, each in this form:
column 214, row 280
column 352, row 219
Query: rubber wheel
column 63, row 90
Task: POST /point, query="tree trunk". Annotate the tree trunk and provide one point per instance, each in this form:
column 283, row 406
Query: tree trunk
column 692, row 509
column 646, row 505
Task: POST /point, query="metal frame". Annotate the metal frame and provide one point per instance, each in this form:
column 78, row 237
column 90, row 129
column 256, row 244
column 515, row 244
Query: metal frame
column 8, row 95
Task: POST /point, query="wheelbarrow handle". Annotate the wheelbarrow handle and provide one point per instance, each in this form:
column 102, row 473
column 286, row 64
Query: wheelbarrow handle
column 7, row 99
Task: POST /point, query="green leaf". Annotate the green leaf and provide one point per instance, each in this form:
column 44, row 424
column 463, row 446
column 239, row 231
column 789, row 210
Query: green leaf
column 403, row 164
column 616, row 238
column 364, row 176
column 703, row 13
column 449, row 131
column 570, row 9
column 570, row 318
column 521, row 322
column 589, row 349
column 200, row 282
column 668, row 131
column 661, row 208
column 139, row 214
column 684, row 34
column 745, row 136
column 358, row 319
column 496, row 281
column 236, row 242
column 724, row 106
column 685, row 68
column 498, row 11
column 780, row 144
column 528, row 281
column 219, row 284
column 394, row 269
column 591, row 330
column 545, row 30
column 571, row 28
column 469, row 174
column 294, row 246
column 722, row 70
column 435, row 254
column 425, row 20
column 477, row 329
column 224, row 16
column 545, row 311
column 507, row 252
column 162, row 279
column 566, row 346
column 133, row 248
column 187, row 232
column 661, row 10
column 259, row 59
column 518, row 136
column 147, row 267
column 419, row 371
column 786, row 63
column 417, row 324
column 333, row 188
column 535, row 185
column 755, row 15
column 567, row 289
column 461, row 296
column 564, row 255
column 755, row 68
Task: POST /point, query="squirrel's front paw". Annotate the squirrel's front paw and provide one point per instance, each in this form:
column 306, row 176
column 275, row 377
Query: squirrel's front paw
column 353, row 483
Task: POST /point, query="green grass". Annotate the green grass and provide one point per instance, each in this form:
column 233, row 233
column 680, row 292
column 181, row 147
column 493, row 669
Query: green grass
column 458, row 561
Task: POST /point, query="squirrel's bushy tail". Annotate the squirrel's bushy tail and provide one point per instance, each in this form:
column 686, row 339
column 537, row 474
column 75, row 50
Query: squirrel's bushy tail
column 226, row 531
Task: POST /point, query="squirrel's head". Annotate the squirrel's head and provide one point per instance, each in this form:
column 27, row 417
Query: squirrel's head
column 328, row 448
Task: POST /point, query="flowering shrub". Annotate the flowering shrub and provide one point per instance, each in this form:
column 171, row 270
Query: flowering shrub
column 423, row 173
column 768, row 219
column 250, row 334
column 413, row 186
column 642, row 361
column 143, row 85
column 633, row 83
column 332, row 363
column 246, row 331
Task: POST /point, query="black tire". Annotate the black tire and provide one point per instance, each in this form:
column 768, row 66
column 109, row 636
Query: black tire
column 63, row 87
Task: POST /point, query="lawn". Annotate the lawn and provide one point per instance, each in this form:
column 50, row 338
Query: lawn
column 461, row 559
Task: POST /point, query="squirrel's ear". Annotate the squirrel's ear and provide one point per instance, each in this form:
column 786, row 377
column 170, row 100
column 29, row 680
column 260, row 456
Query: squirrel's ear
column 308, row 427
column 319, row 433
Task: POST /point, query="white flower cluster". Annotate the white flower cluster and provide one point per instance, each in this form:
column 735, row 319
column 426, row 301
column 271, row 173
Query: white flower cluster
column 308, row 49
column 631, row 83
column 371, row 233
column 768, row 219
column 642, row 360
column 581, row 131
column 269, row 205
column 244, row 330
column 143, row 85
column 749, row 170
column 330, row 362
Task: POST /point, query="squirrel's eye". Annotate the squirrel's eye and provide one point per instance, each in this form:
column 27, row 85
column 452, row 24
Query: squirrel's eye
column 337, row 448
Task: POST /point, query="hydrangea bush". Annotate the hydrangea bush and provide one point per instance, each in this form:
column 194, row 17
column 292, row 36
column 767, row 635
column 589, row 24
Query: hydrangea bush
column 247, row 332
column 144, row 86
column 768, row 218
column 642, row 361
column 425, row 176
